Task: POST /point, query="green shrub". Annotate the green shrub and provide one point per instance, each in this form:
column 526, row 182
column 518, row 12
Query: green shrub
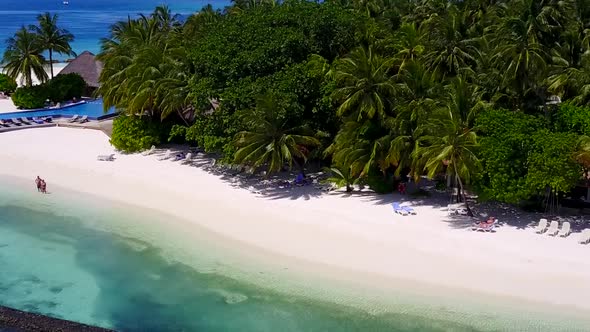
column 61, row 88
column 177, row 134
column 7, row 84
column 65, row 87
column 572, row 118
column 133, row 134
column 30, row 97
column 211, row 132
column 380, row 184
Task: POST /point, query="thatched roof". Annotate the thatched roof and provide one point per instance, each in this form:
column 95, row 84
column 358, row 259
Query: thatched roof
column 86, row 66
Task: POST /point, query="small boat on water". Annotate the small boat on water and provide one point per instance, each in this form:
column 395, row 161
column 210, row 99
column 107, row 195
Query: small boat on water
column 66, row 2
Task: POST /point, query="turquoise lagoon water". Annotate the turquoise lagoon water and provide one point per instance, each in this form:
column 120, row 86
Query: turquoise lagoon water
column 94, row 261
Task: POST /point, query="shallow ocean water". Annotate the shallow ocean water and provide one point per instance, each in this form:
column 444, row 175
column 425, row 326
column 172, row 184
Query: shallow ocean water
column 80, row 258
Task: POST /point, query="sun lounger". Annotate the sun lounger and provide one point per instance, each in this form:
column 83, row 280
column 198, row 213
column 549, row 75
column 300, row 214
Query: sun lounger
column 188, row 158
column 37, row 120
column 74, row 118
column 397, row 209
column 150, row 151
column 553, row 228
column 83, row 119
column 110, row 157
column 409, row 209
column 25, row 121
column 484, row 226
column 542, row 226
column 584, row 237
column 166, row 156
column 16, row 122
column 4, row 124
column 566, row 229
column 180, row 156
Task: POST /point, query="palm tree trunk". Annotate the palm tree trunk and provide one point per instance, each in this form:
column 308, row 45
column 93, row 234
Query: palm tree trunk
column 182, row 117
column 462, row 193
column 51, row 61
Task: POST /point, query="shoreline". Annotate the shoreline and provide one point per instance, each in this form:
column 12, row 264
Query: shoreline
column 377, row 295
column 354, row 236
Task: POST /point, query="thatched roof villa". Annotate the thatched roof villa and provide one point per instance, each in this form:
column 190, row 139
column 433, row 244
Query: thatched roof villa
column 86, row 66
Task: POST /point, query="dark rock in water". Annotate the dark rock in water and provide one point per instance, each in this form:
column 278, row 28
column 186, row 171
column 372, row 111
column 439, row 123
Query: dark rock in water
column 12, row 320
column 56, row 289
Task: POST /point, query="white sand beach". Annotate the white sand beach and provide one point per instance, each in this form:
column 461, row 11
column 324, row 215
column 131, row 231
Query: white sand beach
column 357, row 233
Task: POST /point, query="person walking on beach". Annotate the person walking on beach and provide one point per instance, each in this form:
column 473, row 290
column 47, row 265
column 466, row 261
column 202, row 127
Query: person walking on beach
column 38, row 183
column 43, row 187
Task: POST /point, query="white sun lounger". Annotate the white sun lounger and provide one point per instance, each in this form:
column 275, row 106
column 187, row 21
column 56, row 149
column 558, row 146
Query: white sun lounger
column 25, row 120
column 166, row 156
column 542, row 226
column 409, row 209
column 397, row 209
column 584, row 237
column 553, row 228
column 83, row 119
column 566, row 229
column 74, row 118
column 16, row 122
column 150, row 151
column 110, row 157
column 188, row 158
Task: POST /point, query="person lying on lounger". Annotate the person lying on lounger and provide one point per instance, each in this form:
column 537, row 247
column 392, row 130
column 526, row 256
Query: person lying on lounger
column 180, row 156
column 487, row 223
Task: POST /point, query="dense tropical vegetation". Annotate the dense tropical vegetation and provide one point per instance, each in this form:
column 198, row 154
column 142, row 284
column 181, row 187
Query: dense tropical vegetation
column 63, row 87
column 491, row 95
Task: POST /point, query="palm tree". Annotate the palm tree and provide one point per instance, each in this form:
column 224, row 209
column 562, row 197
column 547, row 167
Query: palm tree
column 23, row 57
column 141, row 62
column 269, row 140
column 341, row 177
column 409, row 43
column 365, row 84
column 451, row 49
column 447, row 146
column 52, row 38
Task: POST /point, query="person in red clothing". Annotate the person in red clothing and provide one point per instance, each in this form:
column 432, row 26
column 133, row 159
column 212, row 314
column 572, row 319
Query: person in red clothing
column 401, row 187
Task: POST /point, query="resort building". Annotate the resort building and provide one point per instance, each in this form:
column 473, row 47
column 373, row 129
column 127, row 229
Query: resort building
column 88, row 67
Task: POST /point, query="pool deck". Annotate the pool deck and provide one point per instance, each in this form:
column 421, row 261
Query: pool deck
column 106, row 126
column 17, row 321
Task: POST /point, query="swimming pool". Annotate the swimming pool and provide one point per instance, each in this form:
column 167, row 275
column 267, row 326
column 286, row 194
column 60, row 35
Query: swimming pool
column 92, row 108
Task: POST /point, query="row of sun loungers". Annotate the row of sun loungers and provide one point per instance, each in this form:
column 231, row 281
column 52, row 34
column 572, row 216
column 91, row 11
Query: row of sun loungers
column 403, row 210
column 77, row 119
column 23, row 121
column 20, row 122
column 170, row 155
column 552, row 229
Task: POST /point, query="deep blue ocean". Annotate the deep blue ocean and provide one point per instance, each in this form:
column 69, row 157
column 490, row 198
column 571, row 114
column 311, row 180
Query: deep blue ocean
column 88, row 20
